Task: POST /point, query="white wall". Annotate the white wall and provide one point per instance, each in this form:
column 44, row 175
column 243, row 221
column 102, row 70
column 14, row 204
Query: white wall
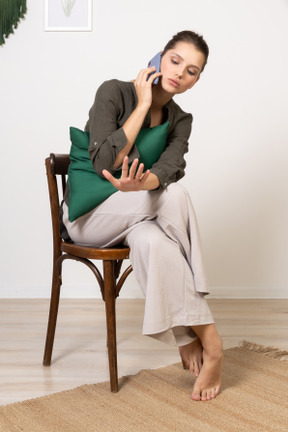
column 237, row 165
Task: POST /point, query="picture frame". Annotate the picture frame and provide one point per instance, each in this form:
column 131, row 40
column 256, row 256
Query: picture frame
column 68, row 15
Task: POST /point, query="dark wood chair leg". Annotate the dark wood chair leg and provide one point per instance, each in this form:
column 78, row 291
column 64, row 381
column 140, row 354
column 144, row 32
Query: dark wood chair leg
column 109, row 297
column 53, row 312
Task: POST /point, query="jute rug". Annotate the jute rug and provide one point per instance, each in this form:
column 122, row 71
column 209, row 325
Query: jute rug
column 254, row 397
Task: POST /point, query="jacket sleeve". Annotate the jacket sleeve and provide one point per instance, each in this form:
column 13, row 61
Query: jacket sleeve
column 170, row 167
column 107, row 138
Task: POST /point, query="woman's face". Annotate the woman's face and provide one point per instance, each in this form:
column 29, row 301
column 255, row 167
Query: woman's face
column 181, row 67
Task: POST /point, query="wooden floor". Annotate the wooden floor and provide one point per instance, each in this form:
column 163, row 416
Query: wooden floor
column 79, row 355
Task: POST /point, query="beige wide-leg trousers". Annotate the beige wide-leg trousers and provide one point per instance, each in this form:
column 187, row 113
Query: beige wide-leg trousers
column 161, row 230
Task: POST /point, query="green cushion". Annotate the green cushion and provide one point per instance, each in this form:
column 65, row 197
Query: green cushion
column 86, row 189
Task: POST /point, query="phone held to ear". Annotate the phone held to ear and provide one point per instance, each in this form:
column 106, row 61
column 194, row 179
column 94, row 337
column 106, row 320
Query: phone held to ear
column 155, row 61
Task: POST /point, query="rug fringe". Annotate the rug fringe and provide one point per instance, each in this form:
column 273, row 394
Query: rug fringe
column 269, row 351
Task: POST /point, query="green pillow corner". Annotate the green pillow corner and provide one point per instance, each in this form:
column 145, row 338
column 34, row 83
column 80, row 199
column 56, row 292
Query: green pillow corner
column 86, row 188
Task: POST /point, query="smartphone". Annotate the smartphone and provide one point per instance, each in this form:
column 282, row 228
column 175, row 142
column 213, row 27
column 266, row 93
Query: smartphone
column 155, row 61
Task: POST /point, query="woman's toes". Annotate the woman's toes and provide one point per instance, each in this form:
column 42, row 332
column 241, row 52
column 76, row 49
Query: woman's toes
column 191, row 368
column 204, row 396
column 211, row 394
column 195, row 396
column 195, row 369
column 184, row 364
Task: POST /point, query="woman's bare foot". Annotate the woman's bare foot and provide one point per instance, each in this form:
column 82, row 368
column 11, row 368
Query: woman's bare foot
column 192, row 356
column 208, row 383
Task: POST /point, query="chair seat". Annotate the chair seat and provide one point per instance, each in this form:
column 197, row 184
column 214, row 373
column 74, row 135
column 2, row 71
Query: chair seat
column 119, row 253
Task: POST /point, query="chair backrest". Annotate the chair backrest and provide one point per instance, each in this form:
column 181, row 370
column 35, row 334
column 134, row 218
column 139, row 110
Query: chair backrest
column 56, row 165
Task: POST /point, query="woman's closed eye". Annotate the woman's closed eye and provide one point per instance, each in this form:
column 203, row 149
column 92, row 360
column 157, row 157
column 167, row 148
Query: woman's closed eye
column 191, row 72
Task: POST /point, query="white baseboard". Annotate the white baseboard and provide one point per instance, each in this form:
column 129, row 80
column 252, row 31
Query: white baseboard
column 133, row 291
column 248, row 293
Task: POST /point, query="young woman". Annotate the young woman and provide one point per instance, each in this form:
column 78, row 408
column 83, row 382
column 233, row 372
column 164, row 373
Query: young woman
column 151, row 212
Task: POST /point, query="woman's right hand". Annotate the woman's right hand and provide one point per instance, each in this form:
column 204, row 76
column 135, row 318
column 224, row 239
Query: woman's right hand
column 144, row 87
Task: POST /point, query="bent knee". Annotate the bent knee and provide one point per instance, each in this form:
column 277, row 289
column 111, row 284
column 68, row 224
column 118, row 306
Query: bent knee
column 148, row 235
column 178, row 192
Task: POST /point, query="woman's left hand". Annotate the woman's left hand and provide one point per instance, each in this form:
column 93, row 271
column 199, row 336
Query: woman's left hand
column 130, row 180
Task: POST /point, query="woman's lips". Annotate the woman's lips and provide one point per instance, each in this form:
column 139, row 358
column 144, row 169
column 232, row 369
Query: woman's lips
column 174, row 83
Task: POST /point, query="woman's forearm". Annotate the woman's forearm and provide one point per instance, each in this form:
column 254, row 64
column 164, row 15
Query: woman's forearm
column 131, row 129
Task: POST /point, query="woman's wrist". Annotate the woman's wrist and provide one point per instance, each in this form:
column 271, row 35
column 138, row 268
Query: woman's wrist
column 151, row 183
column 140, row 112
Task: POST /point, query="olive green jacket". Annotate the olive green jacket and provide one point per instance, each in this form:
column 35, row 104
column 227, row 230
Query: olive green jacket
column 114, row 102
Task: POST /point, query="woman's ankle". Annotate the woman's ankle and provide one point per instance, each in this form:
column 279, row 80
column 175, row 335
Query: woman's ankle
column 209, row 337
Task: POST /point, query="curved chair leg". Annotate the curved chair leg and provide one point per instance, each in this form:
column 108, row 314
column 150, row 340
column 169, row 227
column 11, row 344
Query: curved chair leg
column 53, row 312
column 109, row 292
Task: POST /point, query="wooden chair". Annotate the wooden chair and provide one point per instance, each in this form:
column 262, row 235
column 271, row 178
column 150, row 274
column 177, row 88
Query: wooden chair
column 110, row 283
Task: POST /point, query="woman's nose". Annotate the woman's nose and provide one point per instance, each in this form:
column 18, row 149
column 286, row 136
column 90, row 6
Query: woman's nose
column 179, row 72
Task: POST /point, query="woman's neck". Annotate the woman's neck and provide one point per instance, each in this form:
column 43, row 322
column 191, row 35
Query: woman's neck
column 159, row 98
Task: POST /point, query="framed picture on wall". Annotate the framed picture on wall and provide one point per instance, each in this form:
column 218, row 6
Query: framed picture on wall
column 68, row 15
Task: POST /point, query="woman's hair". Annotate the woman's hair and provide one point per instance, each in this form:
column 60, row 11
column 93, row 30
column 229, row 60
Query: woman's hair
column 190, row 37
